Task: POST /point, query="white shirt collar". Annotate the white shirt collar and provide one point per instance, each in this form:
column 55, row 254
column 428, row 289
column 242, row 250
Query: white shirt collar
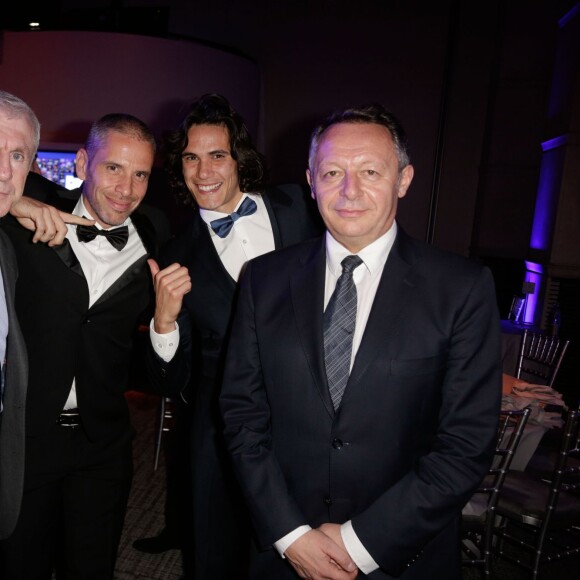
column 374, row 255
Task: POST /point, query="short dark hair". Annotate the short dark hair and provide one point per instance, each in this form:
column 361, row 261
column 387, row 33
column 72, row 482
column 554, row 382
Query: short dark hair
column 120, row 123
column 373, row 113
column 214, row 109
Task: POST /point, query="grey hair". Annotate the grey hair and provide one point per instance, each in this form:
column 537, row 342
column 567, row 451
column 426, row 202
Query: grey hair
column 14, row 107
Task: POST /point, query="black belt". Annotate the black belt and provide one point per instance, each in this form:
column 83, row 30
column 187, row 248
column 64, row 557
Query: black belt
column 69, row 418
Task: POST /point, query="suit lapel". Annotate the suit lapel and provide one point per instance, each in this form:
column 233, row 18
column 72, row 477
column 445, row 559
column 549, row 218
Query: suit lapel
column 205, row 261
column 272, row 207
column 69, row 258
column 65, row 251
column 147, row 235
column 394, row 290
column 307, row 281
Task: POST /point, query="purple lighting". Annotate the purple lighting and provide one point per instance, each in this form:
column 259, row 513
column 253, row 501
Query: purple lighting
column 548, row 184
column 533, row 275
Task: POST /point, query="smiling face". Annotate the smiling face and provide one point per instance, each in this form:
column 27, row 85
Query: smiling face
column 209, row 170
column 116, row 176
column 16, row 155
column 356, row 182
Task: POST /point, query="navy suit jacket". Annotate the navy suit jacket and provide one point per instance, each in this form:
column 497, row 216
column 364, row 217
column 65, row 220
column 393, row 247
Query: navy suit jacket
column 415, row 431
column 12, row 418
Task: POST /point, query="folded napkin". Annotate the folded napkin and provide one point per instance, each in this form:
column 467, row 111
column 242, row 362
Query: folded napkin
column 538, row 415
column 542, row 393
column 539, row 392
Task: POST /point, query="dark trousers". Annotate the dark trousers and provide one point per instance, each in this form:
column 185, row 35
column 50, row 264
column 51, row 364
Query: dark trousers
column 222, row 528
column 73, row 508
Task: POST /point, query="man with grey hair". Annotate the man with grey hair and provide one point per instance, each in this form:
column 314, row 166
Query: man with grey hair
column 19, row 137
column 362, row 383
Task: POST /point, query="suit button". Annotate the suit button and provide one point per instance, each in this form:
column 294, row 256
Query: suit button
column 337, row 443
column 327, row 500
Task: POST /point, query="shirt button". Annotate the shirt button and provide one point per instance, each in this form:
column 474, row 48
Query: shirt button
column 244, row 241
column 337, row 443
column 170, row 344
column 327, row 500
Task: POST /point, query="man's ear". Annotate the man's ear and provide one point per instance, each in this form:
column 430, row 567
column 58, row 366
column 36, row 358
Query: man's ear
column 81, row 163
column 405, row 180
column 309, row 179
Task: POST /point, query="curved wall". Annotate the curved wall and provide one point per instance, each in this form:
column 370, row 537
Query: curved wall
column 72, row 78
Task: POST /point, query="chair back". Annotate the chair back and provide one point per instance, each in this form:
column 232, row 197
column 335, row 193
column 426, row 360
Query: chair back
column 510, row 431
column 479, row 514
column 539, row 519
column 540, row 357
column 566, row 475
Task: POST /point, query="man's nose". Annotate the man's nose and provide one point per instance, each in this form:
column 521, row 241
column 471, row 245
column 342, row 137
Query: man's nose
column 125, row 185
column 203, row 169
column 5, row 167
column 350, row 186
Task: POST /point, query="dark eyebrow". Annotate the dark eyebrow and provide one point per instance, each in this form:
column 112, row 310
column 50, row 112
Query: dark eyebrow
column 224, row 151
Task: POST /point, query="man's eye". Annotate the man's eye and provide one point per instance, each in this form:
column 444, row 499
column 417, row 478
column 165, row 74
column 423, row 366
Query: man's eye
column 332, row 173
column 17, row 156
column 141, row 176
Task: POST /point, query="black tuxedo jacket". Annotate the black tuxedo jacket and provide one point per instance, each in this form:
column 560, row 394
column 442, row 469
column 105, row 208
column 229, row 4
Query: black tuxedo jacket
column 66, row 339
column 416, row 427
column 207, row 309
column 12, row 418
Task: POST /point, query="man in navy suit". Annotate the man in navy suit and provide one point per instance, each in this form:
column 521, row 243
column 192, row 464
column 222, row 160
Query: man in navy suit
column 362, row 385
column 79, row 307
column 215, row 168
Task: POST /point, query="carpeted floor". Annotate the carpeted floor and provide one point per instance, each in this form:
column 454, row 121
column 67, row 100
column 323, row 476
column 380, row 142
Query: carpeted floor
column 146, row 504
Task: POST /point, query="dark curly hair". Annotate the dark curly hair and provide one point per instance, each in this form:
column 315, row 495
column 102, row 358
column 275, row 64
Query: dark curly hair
column 214, row 109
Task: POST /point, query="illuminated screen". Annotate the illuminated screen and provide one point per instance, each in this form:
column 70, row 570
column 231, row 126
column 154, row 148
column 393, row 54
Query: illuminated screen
column 58, row 166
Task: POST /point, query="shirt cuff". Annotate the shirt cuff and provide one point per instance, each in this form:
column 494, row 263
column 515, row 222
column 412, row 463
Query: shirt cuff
column 284, row 543
column 356, row 550
column 164, row 345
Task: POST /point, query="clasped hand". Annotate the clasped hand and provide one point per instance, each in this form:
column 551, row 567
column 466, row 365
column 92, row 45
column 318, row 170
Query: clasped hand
column 320, row 555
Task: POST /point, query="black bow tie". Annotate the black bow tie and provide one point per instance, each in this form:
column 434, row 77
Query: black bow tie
column 117, row 237
column 223, row 226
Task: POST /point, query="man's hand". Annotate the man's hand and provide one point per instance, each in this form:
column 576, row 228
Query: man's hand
column 171, row 285
column 47, row 222
column 316, row 556
column 333, row 532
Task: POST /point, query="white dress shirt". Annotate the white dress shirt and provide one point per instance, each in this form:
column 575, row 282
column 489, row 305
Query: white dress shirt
column 250, row 236
column 102, row 265
column 366, row 278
